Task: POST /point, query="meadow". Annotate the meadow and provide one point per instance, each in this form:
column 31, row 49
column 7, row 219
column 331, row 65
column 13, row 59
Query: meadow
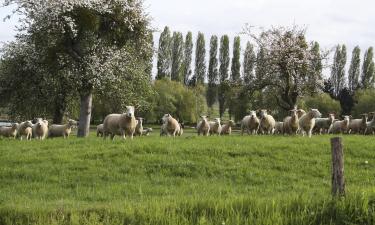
column 186, row 180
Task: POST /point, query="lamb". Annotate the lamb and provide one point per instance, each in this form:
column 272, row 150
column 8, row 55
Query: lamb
column 139, row 127
column 170, row 126
column 307, row 122
column 215, row 127
column 323, row 124
column 340, row 126
column 100, row 130
column 250, row 123
column 203, row 127
column 279, row 128
column 358, row 126
column 267, row 122
column 120, row 124
column 291, row 123
column 146, row 132
column 40, row 129
column 226, row 129
column 25, row 129
column 10, row 132
column 61, row 130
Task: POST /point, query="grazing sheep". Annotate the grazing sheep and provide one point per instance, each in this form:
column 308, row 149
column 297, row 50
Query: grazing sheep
column 323, row 124
column 100, row 130
column 338, row 127
column 215, row 126
column 358, row 126
column 250, row 123
column 10, row 132
column 146, row 131
column 267, row 122
column 139, row 127
column 203, row 127
column 170, row 126
column 40, row 129
column 56, row 130
column 279, row 128
column 370, row 126
column 291, row 123
column 226, row 129
column 307, row 122
column 120, row 124
column 25, row 130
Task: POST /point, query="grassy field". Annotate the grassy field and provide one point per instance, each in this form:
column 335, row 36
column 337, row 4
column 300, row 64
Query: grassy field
column 187, row 180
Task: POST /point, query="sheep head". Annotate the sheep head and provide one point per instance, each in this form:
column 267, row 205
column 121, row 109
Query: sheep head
column 129, row 111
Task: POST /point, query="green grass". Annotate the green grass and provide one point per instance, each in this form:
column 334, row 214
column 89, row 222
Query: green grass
column 186, row 180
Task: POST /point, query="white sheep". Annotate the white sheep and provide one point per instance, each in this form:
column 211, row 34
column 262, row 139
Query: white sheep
column 203, row 127
column 146, row 131
column 323, row 124
column 358, row 126
column 25, row 130
column 170, row 126
column 100, row 130
column 267, row 122
column 10, row 132
column 139, row 127
column 120, row 124
column 250, row 123
column 279, row 128
column 307, row 122
column 370, row 126
column 215, row 126
column 340, row 126
column 40, row 129
column 56, row 130
column 291, row 123
column 226, row 129
column 301, row 113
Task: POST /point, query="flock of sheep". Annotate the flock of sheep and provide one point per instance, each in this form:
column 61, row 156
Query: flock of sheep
column 257, row 122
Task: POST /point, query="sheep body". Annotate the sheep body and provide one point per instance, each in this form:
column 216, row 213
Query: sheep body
column 139, row 127
column 215, row 127
column 120, row 124
column 250, row 123
column 340, row 126
column 291, row 123
column 170, row 126
column 322, row 125
column 100, row 130
column 279, row 128
column 203, row 127
column 226, row 129
column 267, row 123
column 25, row 130
column 40, row 129
column 10, row 132
column 307, row 122
column 146, row 132
column 358, row 126
column 57, row 130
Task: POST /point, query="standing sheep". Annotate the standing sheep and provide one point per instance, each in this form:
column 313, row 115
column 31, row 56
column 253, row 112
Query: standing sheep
column 120, row 124
column 56, row 130
column 40, row 129
column 301, row 113
column 323, row 124
column 170, row 126
column 10, row 132
column 338, row 127
column 25, row 130
column 215, row 127
column 370, row 126
column 139, row 127
column 279, row 128
column 250, row 123
column 203, row 127
column 307, row 122
column 267, row 122
column 291, row 123
column 100, row 130
column 358, row 126
column 226, row 129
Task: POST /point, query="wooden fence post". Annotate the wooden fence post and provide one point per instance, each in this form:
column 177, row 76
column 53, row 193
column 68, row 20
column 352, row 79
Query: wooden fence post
column 338, row 180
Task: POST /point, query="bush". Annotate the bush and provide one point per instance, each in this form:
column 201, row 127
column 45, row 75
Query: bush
column 365, row 102
column 323, row 102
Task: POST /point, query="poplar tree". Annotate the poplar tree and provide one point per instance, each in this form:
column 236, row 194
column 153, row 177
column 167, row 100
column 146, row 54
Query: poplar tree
column 367, row 77
column 164, row 55
column 200, row 59
column 177, row 57
column 188, row 52
column 338, row 71
column 213, row 72
column 223, row 72
column 354, row 70
column 236, row 65
column 249, row 61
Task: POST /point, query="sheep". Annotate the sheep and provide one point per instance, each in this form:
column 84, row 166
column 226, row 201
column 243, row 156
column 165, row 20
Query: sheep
column 40, row 129
column 56, row 130
column 100, row 130
column 307, row 122
column 146, row 131
column 139, row 127
column 340, row 126
column 301, row 113
column 181, row 132
column 250, row 123
column 358, row 125
column 226, row 129
column 279, row 128
column 203, row 127
column 10, row 132
column 25, row 129
column 370, row 126
column 170, row 126
column 215, row 127
column 120, row 124
column 267, row 122
column 291, row 123
column 323, row 124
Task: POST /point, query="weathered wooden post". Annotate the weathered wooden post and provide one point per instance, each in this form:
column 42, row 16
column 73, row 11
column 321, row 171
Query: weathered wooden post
column 338, row 180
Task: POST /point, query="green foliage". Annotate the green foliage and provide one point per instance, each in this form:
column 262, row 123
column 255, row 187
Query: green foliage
column 365, row 102
column 249, row 62
column 354, row 70
column 236, row 65
column 224, row 58
column 177, row 68
column 152, row 180
column 200, row 59
column 368, row 69
column 338, row 70
column 188, row 54
column 183, row 103
column 164, row 54
column 213, row 72
column 323, row 102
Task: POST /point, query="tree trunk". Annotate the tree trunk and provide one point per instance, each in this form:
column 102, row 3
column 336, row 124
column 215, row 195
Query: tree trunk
column 58, row 115
column 85, row 115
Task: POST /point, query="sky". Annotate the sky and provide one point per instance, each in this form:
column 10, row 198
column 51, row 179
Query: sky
column 330, row 22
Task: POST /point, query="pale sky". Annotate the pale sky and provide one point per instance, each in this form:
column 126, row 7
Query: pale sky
column 329, row 22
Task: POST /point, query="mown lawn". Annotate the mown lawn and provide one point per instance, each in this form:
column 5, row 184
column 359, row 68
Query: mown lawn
column 186, row 180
